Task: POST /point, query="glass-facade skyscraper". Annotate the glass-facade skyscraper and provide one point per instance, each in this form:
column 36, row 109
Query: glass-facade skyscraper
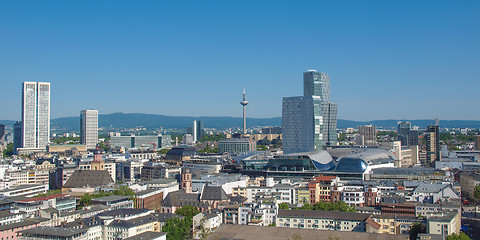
column 35, row 114
column 309, row 122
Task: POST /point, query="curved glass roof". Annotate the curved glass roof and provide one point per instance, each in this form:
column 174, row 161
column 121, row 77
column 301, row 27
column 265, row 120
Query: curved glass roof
column 351, row 165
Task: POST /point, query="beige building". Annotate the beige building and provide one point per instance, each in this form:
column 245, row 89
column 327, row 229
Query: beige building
column 468, row 181
column 445, row 225
column 81, row 148
column 100, row 165
column 322, row 220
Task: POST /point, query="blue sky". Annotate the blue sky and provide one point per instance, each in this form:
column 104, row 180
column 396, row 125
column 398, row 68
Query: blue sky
column 386, row 59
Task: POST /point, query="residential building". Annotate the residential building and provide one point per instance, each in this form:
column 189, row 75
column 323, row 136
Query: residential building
column 468, row 181
column 323, row 220
column 445, row 224
column 233, row 231
column 149, row 199
column 208, row 220
column 89, row 128
column 25, row 190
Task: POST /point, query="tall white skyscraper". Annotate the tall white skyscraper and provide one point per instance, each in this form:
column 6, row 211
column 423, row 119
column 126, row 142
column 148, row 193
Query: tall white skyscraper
column 309, row 122
column 35, row 114
column 89, row 128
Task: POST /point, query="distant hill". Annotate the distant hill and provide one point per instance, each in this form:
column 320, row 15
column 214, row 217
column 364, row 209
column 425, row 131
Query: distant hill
column 153, row 121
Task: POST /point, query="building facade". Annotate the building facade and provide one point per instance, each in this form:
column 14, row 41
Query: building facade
column 309, row 122
column 35, row 114
column 89, row 128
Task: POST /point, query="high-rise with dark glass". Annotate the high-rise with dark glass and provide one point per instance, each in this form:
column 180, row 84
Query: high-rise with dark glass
column 309, row 122
column 406, row 135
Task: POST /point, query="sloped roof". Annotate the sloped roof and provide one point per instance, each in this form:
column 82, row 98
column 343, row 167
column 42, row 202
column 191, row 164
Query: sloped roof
column 147, row 236
column 430, row 188
column 181, row 198
column 373, row 223
column 215, row 193
column 88, row 178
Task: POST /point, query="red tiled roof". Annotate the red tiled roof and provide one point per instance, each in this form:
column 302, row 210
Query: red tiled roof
column 42, row 198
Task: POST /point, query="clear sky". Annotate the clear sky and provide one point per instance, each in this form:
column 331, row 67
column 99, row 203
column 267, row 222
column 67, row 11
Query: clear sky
column 386, row 59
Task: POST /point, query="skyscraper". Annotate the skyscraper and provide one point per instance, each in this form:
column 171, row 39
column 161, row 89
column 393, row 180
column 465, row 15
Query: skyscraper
column 35, row 114
column 406, row 135
column 197, row 130
column 433, row 143
column 309, row 122
column 17, row 136
column 298, row 126
column 369, row 134
column 89, row 128
column 2, row 134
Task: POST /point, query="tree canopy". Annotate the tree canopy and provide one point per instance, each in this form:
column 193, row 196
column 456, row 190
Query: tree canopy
column 180, row 229
column 458, row 236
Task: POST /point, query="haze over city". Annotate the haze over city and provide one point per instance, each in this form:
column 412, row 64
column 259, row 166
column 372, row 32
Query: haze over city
column 386, row 60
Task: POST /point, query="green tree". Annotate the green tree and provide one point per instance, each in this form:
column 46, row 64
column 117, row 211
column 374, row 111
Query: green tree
column 476, row 192
column 8, row 151
column 416, row 229
column 458, row 236
column 177, row 229
column 181, row 228
column 340, row 206
column 164, row 150
column 306, row 206
column 123, row 191
column 283, row 206
column 49, row 192
column 187, row 211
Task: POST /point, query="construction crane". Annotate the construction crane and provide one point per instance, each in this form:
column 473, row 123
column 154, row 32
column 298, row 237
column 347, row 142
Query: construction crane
column 154, row 146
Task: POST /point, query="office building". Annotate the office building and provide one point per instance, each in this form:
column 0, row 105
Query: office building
column 309, row 122
column 272, row 130
column 143, row 142
column 236, row 145
column 35, row 115
column 298, row 126
column 406, row 135
column 197, row 130
column 477, row 142
column 2, row 134
column 89, row 128
column 368, row 134
column 17, row 136
column 433, row 143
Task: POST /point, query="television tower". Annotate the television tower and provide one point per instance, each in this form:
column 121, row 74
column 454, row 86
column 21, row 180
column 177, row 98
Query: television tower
column 244, row 104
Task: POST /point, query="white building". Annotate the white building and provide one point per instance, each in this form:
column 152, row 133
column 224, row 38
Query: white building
column 89, row 128
column 35, row 115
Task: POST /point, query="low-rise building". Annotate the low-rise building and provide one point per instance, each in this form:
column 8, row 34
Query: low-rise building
column 323, row 220
column 114, row 202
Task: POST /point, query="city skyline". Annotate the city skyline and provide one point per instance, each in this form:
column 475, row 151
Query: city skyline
column 389, row 60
